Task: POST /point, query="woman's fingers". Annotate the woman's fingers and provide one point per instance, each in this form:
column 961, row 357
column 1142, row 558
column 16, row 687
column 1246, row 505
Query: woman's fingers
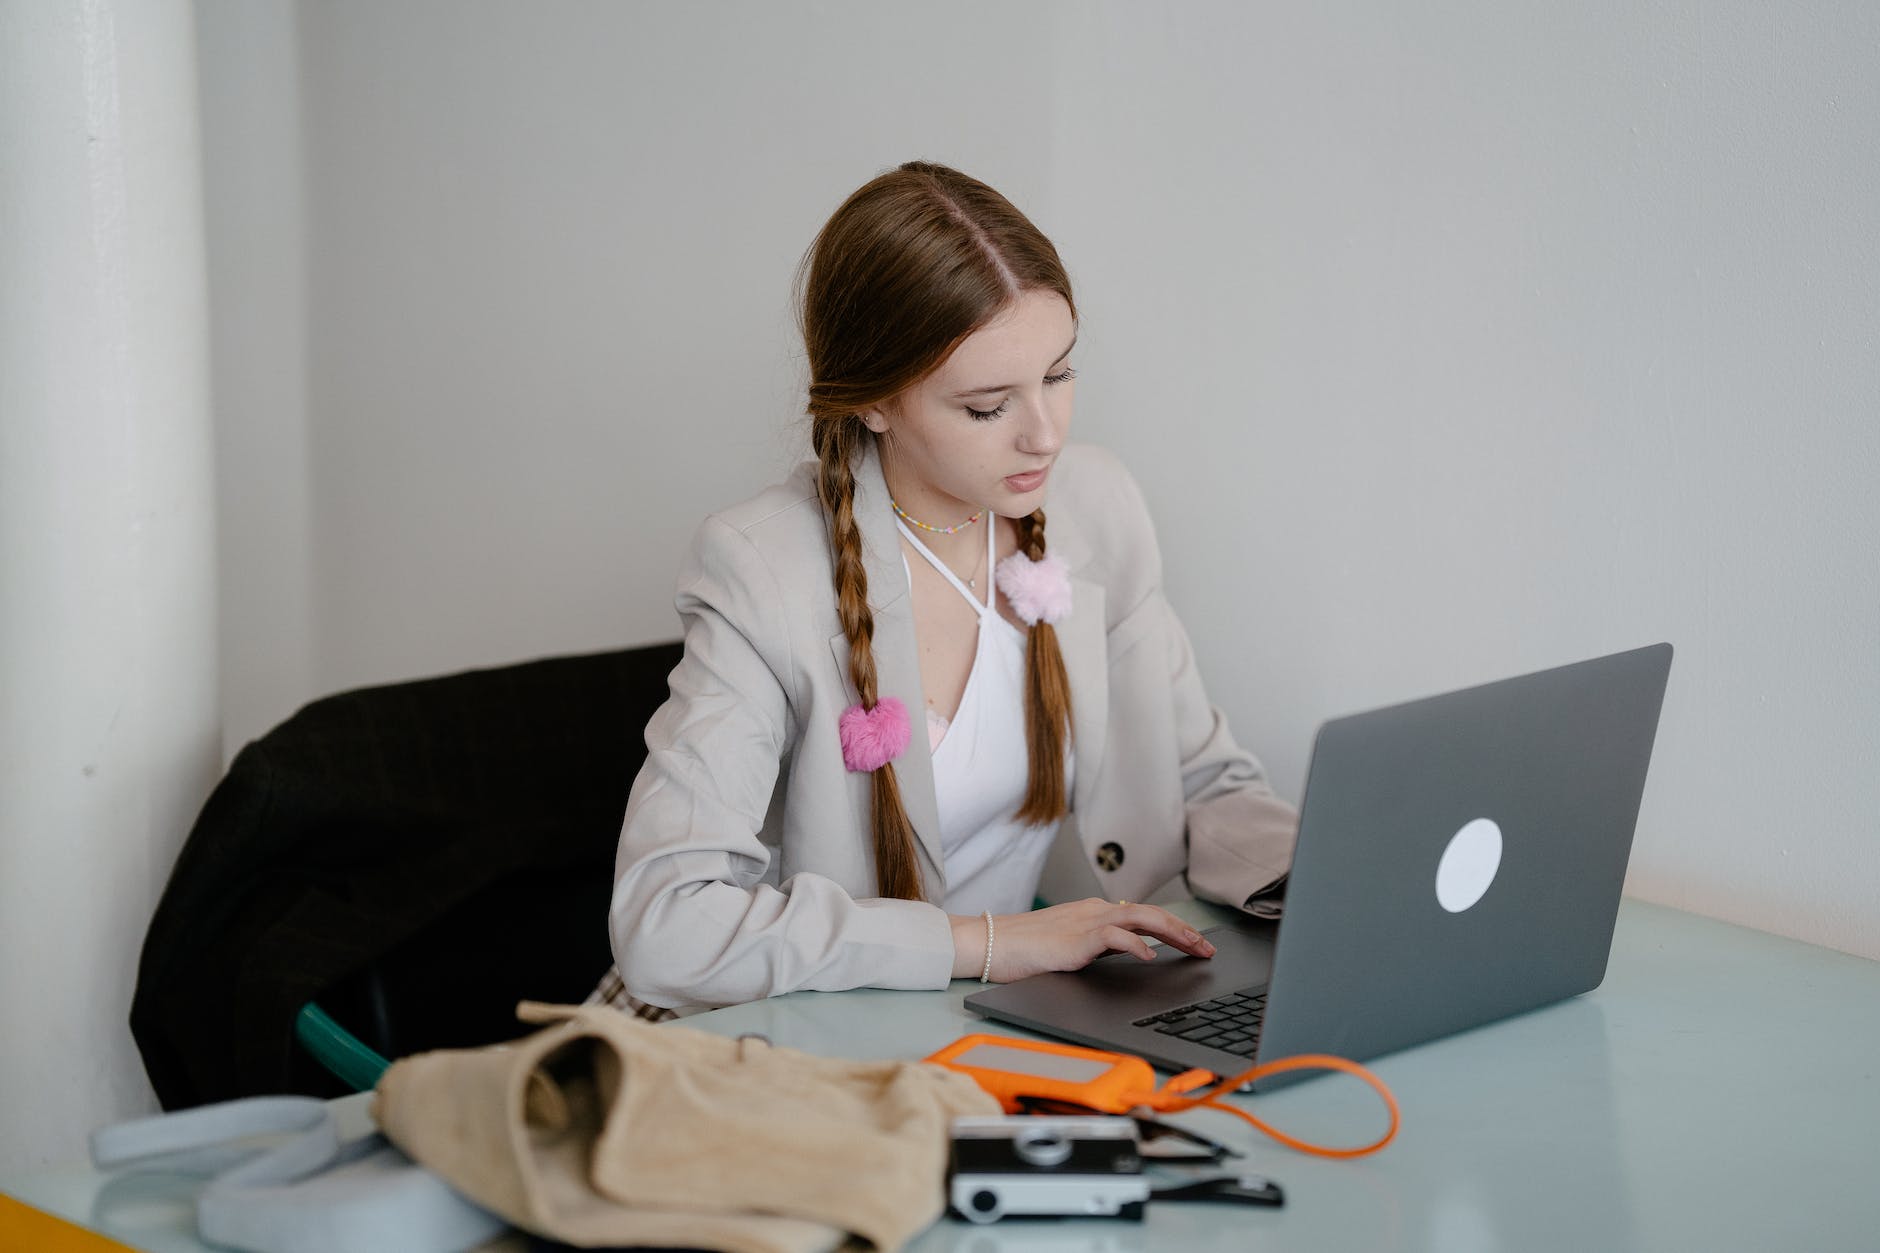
column 1123, row 940
column 1164, row 926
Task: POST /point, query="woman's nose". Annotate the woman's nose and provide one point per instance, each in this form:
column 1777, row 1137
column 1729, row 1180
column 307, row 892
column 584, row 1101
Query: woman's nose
column 1039, row 432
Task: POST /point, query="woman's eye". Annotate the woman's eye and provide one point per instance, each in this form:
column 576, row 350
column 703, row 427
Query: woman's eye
column 987, row 415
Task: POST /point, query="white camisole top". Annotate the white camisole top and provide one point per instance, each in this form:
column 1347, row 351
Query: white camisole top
column 980, row 762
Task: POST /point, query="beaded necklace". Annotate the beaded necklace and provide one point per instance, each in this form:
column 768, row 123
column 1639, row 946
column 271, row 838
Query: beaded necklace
column 937, row 530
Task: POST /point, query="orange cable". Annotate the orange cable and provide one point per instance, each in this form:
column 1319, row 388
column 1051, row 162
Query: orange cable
column 1170, row 1099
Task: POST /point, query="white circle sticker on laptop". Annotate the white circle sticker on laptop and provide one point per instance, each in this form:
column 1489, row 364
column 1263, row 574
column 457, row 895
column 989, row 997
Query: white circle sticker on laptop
column 1468, row 865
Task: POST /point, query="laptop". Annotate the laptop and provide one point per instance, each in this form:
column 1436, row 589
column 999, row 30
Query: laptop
column 1459, row 860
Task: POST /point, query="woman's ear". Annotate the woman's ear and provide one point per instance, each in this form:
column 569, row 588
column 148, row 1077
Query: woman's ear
column 875, row 420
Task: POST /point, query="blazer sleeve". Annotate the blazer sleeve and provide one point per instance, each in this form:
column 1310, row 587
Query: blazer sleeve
column 693, row 920
column 1240, row 833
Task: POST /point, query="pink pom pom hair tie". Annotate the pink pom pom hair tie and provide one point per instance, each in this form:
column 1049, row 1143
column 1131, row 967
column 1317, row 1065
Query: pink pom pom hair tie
column 1040, row 591
column 871, row 738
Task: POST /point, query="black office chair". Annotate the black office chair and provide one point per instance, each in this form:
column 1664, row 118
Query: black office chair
column 410, row 859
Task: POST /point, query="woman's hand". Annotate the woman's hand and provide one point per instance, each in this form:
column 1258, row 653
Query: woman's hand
column 1066, row 937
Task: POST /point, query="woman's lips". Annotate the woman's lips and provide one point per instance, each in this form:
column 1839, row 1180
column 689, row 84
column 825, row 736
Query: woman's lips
column 1030, row 481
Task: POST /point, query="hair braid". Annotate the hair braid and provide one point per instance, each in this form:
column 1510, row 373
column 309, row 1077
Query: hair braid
column 897, row 869
column 1047, row 701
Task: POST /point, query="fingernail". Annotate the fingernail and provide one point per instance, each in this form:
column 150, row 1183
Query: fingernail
column 1207, row 948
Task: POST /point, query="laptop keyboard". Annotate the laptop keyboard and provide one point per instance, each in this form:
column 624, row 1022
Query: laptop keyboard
column 1230, row 1022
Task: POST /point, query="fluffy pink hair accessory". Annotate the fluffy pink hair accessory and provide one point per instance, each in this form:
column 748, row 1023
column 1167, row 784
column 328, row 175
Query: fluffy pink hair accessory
column 871, row 738
column 1040, row 591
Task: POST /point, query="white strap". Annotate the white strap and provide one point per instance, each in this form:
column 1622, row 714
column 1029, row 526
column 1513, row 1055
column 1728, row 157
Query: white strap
column 207, row 1132
column 981, row 609
column 285, row 1183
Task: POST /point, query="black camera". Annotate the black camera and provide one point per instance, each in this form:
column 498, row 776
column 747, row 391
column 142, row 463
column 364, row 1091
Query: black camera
column 1024, row 1166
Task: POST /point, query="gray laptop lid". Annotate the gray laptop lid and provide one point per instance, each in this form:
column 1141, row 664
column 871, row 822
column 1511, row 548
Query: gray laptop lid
column 1369, row 958
column 1460, row 859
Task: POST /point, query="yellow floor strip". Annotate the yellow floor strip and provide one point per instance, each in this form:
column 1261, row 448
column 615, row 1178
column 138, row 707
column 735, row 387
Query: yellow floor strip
column 24, row 1229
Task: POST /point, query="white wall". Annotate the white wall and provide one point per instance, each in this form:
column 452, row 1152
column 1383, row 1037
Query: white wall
column 1456, row 340
column 259, row 317
column 108, row 697
column 549, row 263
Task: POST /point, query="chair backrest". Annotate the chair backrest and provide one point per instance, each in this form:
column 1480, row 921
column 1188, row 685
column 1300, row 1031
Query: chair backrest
column 417, row 856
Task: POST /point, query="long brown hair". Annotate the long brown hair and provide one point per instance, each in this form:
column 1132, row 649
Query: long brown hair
column 910, row 265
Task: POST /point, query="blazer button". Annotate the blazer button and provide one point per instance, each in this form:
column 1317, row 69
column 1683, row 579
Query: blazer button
column 1110, row 856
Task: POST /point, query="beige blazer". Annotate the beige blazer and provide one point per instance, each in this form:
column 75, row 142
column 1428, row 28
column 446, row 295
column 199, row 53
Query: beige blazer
column 745, row 866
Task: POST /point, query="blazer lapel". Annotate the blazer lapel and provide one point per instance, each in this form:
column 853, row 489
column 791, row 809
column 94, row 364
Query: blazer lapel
column 897, row 658
column 1084, row 643
column 1082, row 640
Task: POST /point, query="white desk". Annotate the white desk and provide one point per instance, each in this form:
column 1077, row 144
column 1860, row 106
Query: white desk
column 1720, row 1091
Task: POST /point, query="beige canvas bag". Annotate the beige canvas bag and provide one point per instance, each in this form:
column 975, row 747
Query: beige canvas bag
column 604, row 1130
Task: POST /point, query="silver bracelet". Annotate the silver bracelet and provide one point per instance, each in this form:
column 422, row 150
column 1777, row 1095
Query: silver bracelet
column 985, row 976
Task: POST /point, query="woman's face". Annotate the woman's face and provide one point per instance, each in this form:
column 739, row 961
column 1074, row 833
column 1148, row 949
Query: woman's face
column 983, row 430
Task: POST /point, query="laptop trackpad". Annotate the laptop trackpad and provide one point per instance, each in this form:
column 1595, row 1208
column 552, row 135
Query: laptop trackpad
column 1114, row 991
column 1243, row 958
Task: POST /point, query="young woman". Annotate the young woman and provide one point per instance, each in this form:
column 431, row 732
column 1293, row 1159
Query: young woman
column 900, row 687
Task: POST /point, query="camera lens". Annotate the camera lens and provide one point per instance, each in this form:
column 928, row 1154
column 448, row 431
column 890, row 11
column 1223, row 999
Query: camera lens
column 1042, row 1146
column 985, row 1201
